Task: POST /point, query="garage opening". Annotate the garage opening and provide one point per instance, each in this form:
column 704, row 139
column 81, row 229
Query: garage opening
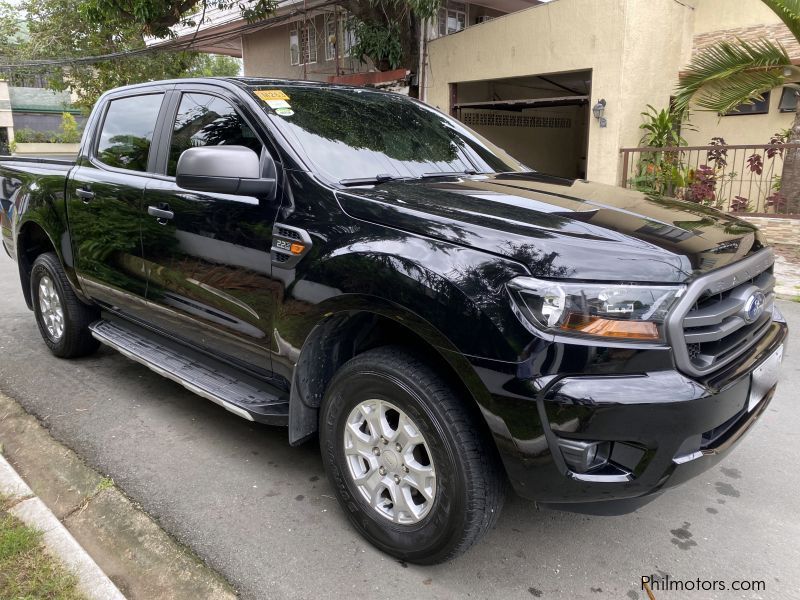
column 541, row 120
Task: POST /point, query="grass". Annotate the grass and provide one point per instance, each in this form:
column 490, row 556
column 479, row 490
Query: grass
column 105, row 484
column 27, row 572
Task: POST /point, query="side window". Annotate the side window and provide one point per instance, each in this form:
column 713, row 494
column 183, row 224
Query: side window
column 205, row 120
column 128, row 132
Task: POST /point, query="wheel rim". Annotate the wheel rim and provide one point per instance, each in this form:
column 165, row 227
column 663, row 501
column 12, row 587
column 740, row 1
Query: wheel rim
column 50, row 308
column 389, row 461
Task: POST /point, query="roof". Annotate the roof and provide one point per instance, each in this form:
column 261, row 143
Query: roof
column 221, row 28
column 239, row 82
column 30, row 99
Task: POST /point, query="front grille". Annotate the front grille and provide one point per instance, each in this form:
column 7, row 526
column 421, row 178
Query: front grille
column 709, row 327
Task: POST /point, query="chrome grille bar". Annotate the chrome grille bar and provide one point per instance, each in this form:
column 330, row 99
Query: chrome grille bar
column 709, row 328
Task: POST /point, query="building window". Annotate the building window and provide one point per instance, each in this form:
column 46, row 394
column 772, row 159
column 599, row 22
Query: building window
column 341, row 31
column 303, row 44
column 294, row 47
column 788, row 100
column 452, row 18
column 759, row 107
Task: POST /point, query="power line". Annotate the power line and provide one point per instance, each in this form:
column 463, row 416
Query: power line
column 171, row 45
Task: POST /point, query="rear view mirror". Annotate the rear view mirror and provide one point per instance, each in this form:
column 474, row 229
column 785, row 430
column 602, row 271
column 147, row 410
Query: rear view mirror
column 225, row 170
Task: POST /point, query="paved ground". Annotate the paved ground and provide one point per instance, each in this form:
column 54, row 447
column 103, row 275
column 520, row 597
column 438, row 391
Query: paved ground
column 263, row 514
column 785, row 234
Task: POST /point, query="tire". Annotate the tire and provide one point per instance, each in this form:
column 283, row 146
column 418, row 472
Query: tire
column 67, row 335
column 469, row 484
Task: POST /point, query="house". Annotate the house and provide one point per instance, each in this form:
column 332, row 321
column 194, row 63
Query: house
column 39, row 109
column 529, row 80
column 6, row 119
column 312, row 39
column 530, row 75
column 27, row 103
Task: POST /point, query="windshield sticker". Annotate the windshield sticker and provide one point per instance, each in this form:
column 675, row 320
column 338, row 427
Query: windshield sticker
column 267, row 95
column 284, row 112
column 276, row 104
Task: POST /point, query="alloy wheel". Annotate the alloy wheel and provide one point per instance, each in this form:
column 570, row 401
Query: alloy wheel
column 389, row 461
column 50, row 308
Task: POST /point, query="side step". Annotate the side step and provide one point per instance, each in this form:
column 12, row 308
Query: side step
column 248, row 399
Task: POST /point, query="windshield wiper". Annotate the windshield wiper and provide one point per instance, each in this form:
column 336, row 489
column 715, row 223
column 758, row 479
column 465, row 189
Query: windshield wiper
column 379, row 178
column 384, row 177
column 451, row 173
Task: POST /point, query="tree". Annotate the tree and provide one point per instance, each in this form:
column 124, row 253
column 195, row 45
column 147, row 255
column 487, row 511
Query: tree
column 388, row 30
column 388, row 33
column 730, row 73
column 155, row 17
column 215, row 65
column 57, row 28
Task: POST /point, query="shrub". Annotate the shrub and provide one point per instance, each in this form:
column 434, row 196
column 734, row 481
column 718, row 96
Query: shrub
column 702, row 185
column 68, row 133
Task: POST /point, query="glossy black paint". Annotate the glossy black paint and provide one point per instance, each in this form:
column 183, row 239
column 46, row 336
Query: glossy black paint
column 418, row 262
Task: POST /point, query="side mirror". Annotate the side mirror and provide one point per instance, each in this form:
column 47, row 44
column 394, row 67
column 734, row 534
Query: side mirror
column 225, row 170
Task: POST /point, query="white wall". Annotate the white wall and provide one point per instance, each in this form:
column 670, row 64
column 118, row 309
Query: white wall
column 633, row 48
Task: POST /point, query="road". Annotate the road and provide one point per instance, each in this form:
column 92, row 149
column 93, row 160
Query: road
column 263, row 514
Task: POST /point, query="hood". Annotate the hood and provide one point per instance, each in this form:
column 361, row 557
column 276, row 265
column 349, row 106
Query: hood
column 561, row 228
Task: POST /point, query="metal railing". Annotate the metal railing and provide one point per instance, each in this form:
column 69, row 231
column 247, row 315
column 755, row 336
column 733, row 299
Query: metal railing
column 733, row 178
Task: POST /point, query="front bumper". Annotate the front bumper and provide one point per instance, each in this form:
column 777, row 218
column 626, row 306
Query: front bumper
column 664, row 427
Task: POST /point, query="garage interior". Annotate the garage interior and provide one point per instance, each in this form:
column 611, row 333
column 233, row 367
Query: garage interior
column 541, row 120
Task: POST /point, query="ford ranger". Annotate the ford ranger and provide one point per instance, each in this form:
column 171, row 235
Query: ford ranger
column 355, row 265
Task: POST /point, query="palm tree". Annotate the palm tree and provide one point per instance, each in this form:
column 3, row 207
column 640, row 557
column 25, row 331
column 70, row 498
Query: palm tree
column 727, row 74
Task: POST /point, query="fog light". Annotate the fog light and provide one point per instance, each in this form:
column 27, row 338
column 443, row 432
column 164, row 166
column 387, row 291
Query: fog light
column 584, row 456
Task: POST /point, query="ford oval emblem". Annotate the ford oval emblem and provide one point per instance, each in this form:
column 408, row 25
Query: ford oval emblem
column 754, row 307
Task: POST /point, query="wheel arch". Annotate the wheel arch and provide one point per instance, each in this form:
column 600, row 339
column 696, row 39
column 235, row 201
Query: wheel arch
column 32, row 241
column 343, row 335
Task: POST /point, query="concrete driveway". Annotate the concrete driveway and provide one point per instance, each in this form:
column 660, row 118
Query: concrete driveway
column 263, row 514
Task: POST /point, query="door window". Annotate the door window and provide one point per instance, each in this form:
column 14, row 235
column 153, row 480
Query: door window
column 128, row 132
column 205, row 120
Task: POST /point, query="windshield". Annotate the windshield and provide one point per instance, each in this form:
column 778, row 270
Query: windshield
column 355, row 134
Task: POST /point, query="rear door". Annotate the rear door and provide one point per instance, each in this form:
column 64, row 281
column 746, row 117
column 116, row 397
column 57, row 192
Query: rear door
column 104, row 199
column 209, row 261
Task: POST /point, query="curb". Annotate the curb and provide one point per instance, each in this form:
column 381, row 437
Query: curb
column 29, row 509
column 141, row 559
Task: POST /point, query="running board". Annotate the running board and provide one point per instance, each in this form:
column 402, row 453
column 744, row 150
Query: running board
column 263, row 403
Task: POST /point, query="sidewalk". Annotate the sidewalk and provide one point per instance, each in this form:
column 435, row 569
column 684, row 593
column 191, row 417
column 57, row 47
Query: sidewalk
column 90, row 525
column 91, row 581
column 784, row 234
column 787, row 272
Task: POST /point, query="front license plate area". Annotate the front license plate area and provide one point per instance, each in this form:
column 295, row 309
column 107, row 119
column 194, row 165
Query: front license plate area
column 764, row 377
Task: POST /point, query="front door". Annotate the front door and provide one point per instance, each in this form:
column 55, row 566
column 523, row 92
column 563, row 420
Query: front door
column 105, row 195
column 209, row 273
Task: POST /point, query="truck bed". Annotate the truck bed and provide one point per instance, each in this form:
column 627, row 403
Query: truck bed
column 10, row 161
column 47, row 176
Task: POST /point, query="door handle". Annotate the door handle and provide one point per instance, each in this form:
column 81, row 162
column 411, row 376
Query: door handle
column 160, row 213
column 84, row 194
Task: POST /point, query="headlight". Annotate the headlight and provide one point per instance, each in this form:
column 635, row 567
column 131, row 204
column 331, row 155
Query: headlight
column 622, row 312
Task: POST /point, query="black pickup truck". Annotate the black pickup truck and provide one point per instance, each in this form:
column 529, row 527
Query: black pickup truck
column 356, row 265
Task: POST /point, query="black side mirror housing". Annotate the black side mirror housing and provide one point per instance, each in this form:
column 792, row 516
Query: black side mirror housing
column 233, row 170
